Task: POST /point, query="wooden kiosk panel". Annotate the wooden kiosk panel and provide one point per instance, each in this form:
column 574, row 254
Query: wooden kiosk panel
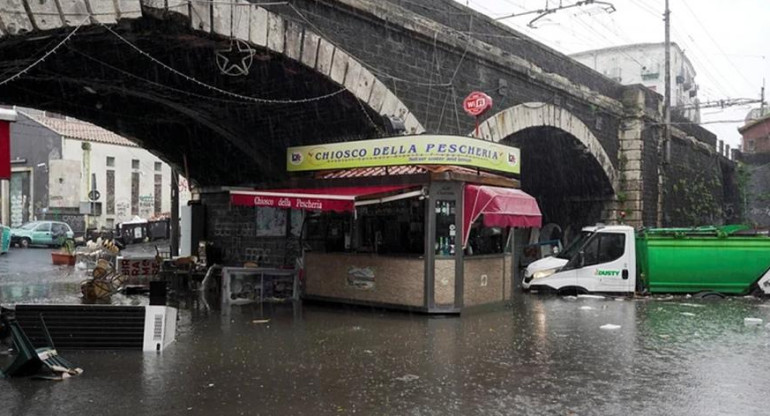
column 444, row 282
column 483, row 279
column 365, row 278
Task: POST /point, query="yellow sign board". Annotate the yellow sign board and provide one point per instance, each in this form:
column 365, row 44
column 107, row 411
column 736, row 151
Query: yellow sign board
column 406, row 150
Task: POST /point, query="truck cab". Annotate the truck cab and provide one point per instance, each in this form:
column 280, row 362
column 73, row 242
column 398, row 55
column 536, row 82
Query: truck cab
column 605, row 263
column 551, row 264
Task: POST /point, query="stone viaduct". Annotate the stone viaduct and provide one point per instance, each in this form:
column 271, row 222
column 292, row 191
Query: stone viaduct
column 334, row 70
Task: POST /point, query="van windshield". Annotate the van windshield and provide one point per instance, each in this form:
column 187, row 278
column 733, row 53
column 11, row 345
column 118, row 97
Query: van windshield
column 574, row 246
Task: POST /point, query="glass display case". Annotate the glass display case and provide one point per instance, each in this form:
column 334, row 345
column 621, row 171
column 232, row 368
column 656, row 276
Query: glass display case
column 446, row 228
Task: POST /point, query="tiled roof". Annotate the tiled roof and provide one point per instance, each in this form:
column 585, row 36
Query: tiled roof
column 80, row 130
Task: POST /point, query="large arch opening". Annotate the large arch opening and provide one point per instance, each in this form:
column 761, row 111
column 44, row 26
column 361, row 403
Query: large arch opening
column 116, row 78
column 559, row 170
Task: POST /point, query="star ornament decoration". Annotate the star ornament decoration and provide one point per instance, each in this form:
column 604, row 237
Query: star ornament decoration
column 236, row 59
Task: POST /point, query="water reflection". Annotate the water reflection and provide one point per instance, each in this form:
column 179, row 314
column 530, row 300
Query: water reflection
column 537, row 355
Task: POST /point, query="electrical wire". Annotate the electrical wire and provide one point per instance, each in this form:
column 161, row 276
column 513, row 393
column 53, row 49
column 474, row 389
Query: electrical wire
column 43, row 58
column 687, row 6
column 216, row 89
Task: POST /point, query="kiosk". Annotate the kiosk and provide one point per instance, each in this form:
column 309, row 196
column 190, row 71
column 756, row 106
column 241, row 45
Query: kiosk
column 414, row 222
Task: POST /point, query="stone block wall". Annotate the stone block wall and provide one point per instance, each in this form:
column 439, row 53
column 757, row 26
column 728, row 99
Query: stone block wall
column 432, row 78
column 693, row 185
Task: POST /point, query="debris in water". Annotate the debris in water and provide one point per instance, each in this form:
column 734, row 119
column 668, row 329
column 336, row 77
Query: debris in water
column 752, row 321
column 692, row 305
column 609, row 327
column 408, row 377
column 260, row 321
column 590, row 297
column 569, row 297
column 586, row 308
column 688, row 314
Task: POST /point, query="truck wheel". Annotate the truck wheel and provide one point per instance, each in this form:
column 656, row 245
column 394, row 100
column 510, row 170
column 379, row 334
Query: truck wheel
column 571, row 291
column 709, row 295
column 25, row 243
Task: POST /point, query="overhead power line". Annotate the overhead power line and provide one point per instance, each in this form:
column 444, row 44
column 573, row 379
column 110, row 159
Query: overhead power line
column 729, row 102
column 608, row 7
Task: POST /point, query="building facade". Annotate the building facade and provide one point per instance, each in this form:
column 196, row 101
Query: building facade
column 755, row 134
column 67, row 169
column 644, row 64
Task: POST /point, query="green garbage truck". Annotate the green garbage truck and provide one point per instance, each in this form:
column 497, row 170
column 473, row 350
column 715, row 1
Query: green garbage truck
column 727, row 260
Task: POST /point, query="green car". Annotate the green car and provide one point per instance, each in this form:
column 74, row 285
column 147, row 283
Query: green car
column 41, row 233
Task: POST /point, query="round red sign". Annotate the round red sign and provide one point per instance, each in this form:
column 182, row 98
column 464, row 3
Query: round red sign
column 477, row 103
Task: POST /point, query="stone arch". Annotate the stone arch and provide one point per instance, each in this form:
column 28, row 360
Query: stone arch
column 536, row 114
column 261, row 28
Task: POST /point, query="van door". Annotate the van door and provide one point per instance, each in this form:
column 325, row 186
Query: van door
column 606, row 265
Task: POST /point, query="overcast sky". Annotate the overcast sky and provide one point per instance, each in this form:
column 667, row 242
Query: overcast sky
column 728, row 42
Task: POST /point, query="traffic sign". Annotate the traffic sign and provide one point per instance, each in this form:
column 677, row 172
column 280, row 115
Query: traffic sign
column 477, row 103
column 94, row 195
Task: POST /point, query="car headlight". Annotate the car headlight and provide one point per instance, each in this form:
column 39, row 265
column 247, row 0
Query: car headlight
column 544, row 273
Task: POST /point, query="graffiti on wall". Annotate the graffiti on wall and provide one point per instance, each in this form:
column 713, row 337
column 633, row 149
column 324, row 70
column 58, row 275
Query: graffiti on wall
column 146, row 205
column 122, row 209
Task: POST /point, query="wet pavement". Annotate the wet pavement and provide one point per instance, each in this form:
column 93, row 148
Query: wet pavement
column 536, row 356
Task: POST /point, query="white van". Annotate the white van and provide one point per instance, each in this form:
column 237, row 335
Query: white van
column 550, row 265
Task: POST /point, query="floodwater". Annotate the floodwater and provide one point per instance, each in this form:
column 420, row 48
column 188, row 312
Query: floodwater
column 536, row 356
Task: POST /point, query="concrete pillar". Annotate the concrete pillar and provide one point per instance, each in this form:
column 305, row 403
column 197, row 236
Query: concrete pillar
column 174, row 213
column 629, row 204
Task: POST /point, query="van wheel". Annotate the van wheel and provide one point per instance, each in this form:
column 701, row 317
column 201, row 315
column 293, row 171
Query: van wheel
column 25, row 243
column 571, row 291
column 709, row 295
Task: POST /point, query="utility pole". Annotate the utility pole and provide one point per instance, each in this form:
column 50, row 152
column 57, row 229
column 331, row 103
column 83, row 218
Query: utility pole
column 762, row 100
column 665, row 149
column 667, row 96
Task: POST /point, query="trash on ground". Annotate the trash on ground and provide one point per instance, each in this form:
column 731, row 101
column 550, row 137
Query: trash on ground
column 586, row 308
column 260, row 321
column 693, row 305
column 688, row 314
column 408, row 377
column 752, row 321
column 609, row 327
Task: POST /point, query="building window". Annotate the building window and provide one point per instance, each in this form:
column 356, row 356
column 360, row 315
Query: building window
column 110, row 162
column 110, row 223
column 158, row 193
column 134, row 163
column 752, row 146
column 110, row 208
column 135, row 193
column 158, row 166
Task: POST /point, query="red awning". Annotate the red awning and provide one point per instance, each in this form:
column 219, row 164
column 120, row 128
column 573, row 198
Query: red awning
column 321, row 199
column 501, row 207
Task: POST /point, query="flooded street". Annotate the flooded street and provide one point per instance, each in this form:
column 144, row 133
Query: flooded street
column 535, row 356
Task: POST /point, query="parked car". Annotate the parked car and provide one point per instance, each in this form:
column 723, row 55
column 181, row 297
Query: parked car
column 43, row 233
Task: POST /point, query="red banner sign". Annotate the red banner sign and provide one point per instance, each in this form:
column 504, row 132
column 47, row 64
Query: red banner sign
column 477, row 103
column 5, row 150
column 289, row 201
